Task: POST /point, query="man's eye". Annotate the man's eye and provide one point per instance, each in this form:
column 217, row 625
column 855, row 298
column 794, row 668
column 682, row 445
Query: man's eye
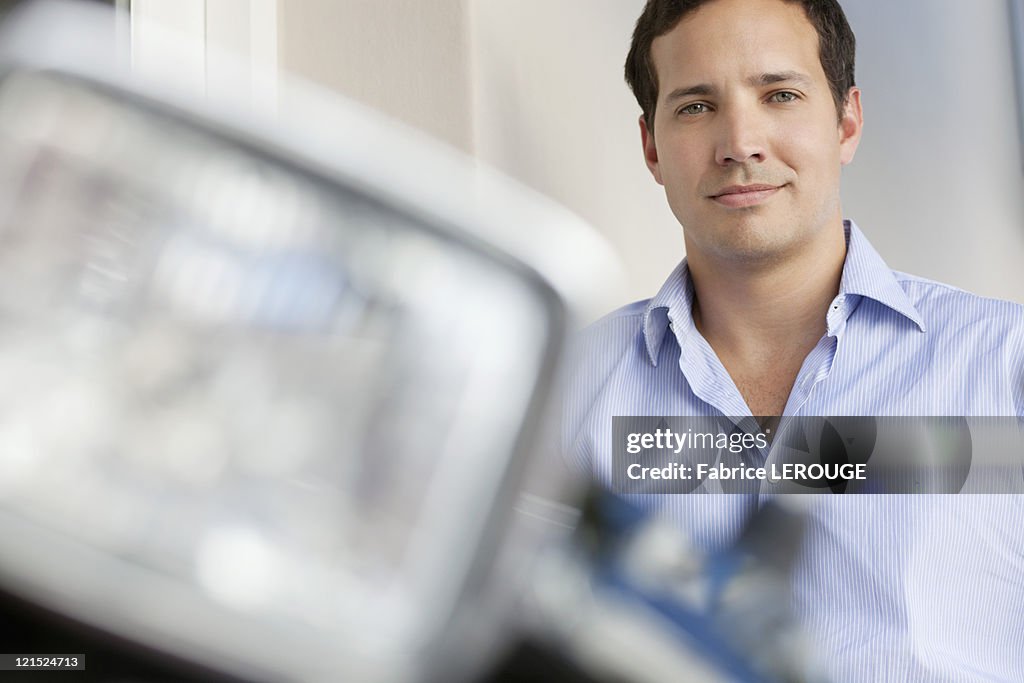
column 694, row 109
column 783, row 96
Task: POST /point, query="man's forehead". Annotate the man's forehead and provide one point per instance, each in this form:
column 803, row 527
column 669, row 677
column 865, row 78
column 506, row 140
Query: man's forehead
column 746, row 38
column 730, row 13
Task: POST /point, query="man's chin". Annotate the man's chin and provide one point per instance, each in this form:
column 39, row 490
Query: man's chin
column 752, row 254
column 747, row 243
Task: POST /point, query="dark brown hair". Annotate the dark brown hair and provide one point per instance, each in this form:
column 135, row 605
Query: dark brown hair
column 836, row 47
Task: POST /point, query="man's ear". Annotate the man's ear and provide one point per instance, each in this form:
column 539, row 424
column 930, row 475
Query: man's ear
column 650, row 150
column 850, row 126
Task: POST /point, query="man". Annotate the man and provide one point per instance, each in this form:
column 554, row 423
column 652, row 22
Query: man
column 782, row 308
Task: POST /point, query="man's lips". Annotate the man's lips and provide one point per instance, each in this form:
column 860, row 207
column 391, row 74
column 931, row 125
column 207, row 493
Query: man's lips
column 739, row 196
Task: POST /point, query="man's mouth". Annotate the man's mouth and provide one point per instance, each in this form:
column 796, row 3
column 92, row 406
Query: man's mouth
column 742, row 196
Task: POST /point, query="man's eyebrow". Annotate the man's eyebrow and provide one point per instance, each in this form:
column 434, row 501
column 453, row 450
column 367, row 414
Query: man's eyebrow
column 760, row 80
column 679, row 93
column 780, row 77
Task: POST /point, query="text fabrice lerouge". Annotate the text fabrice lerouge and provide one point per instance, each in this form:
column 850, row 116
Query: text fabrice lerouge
column 774, row 472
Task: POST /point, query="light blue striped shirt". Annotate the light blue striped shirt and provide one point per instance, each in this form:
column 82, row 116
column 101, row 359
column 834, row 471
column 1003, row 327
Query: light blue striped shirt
column 893, row 588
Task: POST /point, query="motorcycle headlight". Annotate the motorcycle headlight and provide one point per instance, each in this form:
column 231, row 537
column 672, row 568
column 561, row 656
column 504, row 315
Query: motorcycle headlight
column 256, row 409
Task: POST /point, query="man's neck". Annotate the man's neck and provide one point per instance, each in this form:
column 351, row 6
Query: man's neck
column 750, row 310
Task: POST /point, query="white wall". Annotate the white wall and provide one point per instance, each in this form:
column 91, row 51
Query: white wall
column 167, row 42
column 215, row 48
column 938, row 183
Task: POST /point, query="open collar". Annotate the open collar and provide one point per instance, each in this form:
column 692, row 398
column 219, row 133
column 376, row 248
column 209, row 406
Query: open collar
column 865, row 274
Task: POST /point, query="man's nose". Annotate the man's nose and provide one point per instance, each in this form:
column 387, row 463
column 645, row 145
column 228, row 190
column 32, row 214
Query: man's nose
column 741, row 136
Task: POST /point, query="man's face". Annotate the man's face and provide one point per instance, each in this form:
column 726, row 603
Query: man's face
column 746, row 139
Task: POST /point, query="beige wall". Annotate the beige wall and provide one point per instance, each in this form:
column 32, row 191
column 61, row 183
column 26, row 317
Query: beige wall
column 553, row 111
column 409, row 58
column 534, row 87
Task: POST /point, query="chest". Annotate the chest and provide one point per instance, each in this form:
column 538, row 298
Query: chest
column 765, row 393
column 766, row 383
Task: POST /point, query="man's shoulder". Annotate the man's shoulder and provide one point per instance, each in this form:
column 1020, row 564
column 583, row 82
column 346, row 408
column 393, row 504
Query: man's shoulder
column 942, row 304
column 615, row 338
column 627, row 317
column 618, row 333
column 985, row 332
column 603, row 349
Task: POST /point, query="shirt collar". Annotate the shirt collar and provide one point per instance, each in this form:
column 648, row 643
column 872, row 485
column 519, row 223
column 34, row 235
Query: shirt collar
column 865, row 274
column 674, row 301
